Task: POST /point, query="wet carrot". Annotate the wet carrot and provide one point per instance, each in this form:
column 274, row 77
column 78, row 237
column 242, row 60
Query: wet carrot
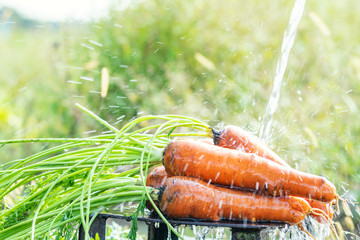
column 325, row 207
column 237, row 138
column 235, row 168
column 185, row 197
column 157, row 177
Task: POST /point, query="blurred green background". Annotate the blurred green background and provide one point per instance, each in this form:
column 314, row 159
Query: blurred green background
column 212, row 60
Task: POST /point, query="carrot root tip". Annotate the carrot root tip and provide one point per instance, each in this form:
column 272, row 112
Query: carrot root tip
column 300, row 225
column 321, row 213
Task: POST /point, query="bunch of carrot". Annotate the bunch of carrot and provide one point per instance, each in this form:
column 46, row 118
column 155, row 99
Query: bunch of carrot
column 236, row 176
column 200, row 179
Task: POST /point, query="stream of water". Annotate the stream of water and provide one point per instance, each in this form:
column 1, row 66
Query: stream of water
column 317, row 230
column 287, row 44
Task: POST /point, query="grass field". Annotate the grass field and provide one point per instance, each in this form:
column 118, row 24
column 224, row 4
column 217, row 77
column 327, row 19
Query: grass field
column 207, row 59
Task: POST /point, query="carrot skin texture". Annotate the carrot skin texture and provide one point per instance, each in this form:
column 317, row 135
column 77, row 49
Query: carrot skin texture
column 157, row 177
column 326, row 207
column 235, row 168
column 234, row 137
column 185, row 197
column 237, row 138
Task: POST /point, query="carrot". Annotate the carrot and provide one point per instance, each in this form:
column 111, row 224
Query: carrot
column 237, row 138
column 185, row 197
column 324, row 207
column 157, row 177
column 235, row 168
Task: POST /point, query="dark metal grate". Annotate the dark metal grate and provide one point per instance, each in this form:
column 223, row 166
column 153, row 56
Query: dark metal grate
column 239, row 229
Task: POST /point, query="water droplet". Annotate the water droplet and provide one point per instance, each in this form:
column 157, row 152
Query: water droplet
column 74, row 82
column 87, row 78
column 96, row 43
column 87, row 46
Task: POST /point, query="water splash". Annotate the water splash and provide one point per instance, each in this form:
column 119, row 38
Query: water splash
column 287, row 44
column 169, row 233
column 220, row 232
column 200, row 232
column 318, row 230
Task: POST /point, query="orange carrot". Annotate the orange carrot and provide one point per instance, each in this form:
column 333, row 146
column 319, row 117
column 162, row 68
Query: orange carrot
column 235, row 168
column 185, row 197
column 237, row 138
column 324, row 207
column 157, row 177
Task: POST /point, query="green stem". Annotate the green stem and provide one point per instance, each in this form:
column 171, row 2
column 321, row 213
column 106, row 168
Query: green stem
column 59, row 179
column 88, row 184
column 59, row 140
column 46, row 152
column 145, row 188
column 100, row 120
